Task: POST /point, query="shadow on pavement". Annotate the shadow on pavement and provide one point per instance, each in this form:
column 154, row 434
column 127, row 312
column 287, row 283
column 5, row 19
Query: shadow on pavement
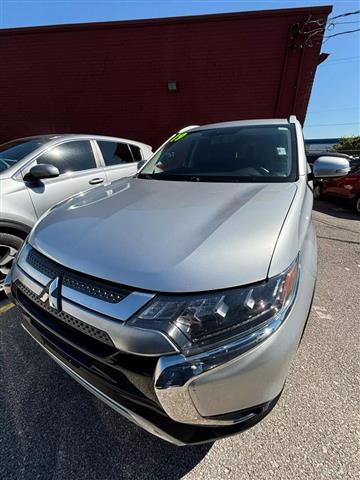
column 338, row 208
column 51, row 428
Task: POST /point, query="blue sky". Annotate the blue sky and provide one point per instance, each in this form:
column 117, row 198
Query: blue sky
column 334, row 108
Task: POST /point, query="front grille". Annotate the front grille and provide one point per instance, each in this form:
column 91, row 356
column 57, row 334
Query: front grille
column 82, row 283
column 81, row 318
column 66, row 318
column 130, row 375
column 43, row 264
column 93, row 288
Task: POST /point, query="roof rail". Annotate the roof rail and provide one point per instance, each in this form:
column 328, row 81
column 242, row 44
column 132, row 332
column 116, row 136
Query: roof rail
column 189, row 127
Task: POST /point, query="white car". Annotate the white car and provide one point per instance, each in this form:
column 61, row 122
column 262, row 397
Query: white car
column 38, row 172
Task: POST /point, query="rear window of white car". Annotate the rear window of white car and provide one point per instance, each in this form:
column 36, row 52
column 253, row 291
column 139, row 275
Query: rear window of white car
column 115, row 153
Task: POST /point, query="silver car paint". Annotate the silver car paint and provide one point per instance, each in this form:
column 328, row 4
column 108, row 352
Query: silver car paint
column 167, row 232
column 294, row 230
column 15, row 203
column 260, row 373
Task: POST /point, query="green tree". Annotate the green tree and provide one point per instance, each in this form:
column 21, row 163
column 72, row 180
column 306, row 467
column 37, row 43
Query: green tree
column 349, row 145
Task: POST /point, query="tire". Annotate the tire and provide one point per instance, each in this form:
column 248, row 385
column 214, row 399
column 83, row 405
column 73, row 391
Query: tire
column 317, row 191
column 9, row 246
column 357, row 204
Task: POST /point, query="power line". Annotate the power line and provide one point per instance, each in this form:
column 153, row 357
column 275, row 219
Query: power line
column 343, row 58
column 340, row 63
column 347, row 23
column 335, row 64
column 347, row 14
column 341, row 33
column 320, row 27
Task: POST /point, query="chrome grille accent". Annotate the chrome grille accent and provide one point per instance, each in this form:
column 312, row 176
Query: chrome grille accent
column 101, row 308
column 83, row 327
column 99, row 297
column 74, row 302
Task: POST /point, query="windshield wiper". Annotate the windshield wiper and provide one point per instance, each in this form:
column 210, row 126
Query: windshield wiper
column 148, row 176
column 234, row 179
column 215, row 178
column 166, row 176
column 211, row 178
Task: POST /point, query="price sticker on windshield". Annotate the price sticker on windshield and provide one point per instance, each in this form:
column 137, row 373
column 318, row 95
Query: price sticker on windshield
column 178, row 137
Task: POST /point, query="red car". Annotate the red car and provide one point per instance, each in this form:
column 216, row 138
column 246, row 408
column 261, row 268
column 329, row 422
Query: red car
column 345, row 187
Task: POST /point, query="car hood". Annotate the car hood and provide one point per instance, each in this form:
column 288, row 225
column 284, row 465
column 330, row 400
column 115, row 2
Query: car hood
column 168, row 236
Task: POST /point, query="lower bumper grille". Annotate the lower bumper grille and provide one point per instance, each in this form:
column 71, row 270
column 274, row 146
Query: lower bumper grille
column 129, row 375
column 83, row 327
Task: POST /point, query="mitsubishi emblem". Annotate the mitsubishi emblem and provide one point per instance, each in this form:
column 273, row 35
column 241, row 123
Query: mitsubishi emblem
column 51, row 293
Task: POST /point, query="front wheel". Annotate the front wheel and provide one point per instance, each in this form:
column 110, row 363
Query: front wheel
column 9, row 246
column 317, row 191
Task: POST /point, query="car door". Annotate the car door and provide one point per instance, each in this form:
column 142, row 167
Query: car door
column 331, row 186
column 118, row 159
column 78, row 168
column 348, row 186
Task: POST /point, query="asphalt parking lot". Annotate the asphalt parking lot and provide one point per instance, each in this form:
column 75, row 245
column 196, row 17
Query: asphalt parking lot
column 51, row 428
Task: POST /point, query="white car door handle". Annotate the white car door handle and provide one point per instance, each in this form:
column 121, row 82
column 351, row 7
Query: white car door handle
column 96, row 180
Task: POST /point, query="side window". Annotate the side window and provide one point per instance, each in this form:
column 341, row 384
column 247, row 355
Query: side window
column 70, row 156
column 136, row 152
column 115, row 153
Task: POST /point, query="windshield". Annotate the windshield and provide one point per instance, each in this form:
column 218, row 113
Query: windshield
column 12, row 152
column 264, row 153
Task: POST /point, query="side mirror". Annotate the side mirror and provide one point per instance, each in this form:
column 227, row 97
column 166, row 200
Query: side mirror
column 141, row 164
column 330, row 167
column 42, row 171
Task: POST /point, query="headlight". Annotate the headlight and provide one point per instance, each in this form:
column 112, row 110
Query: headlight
column 198, row 321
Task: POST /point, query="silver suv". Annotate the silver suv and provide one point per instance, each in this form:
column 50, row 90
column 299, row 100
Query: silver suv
column 180, row 296
column 38, row 172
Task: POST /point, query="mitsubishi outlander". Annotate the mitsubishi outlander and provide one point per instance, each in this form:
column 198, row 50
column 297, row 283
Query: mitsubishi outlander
column 179, row 295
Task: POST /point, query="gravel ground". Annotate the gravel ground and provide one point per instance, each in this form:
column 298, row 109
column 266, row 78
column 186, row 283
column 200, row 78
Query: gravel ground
column 51, row 428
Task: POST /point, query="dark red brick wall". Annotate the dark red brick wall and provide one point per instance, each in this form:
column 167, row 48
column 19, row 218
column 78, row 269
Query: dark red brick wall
column 112, row 78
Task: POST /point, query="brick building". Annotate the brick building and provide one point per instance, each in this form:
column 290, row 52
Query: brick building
column 145, row 79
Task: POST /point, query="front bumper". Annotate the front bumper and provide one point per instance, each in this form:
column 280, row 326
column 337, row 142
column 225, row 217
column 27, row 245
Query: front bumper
column 150, row 419
column 182, row 400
